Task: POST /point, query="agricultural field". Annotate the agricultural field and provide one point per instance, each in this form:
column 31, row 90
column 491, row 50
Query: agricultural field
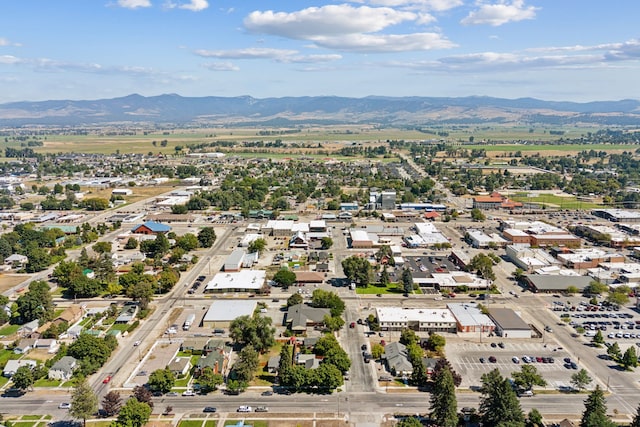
column 555, row 201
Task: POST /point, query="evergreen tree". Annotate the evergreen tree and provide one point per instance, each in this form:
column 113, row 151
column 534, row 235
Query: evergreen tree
column 595, row 411
column 630, row 359
column 499, row 404
column 84, row 402
column 443, row 400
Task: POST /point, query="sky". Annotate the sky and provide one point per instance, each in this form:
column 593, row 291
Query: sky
column 561, row 50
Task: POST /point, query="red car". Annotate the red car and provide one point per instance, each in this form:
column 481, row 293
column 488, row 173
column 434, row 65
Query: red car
column 106, row 380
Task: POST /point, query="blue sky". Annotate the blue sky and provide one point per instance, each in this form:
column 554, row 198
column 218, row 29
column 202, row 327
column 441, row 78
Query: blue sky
column 575, row 50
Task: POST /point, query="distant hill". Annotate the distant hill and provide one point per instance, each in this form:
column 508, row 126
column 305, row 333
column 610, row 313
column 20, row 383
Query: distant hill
column 289, row 111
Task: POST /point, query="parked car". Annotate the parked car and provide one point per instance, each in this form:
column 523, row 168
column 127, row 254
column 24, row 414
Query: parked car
column 492, row 359
column 188, row 393
column 209, row 409
column 515, row 359
column 64, row 405
column 262, row 409
column 244, row 409
column 526, row 393
column 267, row 393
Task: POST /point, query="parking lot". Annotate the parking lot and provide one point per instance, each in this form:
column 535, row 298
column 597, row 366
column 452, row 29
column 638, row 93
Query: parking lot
column 549, row 360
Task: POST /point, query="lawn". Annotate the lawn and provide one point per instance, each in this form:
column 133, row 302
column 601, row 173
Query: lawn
column 392, row 288
column 46, row 382
column 183, row 382
column 9, row 330
column 3, row 381
column 31, row 417
column 211, row 423
column 6, row 355
column 190, row 423
column 557, row 201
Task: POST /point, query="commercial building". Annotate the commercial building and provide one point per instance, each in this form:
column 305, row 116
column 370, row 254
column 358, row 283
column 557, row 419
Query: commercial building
column 301, row 316
column 222, row 313
column 618, row 215
column 587, row 258
column 241, row 281
column 528, row 258
column 479, row 239
column 509, row 324
column 556, row 282
column 417, row 319
column 469, row 318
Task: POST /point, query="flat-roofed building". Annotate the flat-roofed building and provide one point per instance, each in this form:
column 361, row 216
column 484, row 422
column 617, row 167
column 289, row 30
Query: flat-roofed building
column 556, row 282
column 509, row 324
column 222, row 313
column 234, row 260
column 361, row 239
column 469, row 318
column 417, row 319
column 241, row 281
column 479, row 239
column 587, row 258
column 618, row 215
column 516, row 236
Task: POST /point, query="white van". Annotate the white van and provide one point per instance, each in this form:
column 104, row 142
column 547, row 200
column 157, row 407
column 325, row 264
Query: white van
column 590, row 334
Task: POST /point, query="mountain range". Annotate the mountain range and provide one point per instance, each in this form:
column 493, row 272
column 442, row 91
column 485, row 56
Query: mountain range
column 172, row 109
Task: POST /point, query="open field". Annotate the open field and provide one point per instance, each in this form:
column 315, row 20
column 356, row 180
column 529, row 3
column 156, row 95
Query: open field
column 139, row 193
column 8, row 281
column 329, row 138
column 556, row 201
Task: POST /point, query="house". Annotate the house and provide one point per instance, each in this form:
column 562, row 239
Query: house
column 50, row 345
column 70, row 315
column 273, row 364
column 29, row 328
column 195, row 345
column 25, row 346
column 151, row 227
column 63, row 368
column 127, row 314
column 180, row 366
column 215, row 360
column 300, row 316
column 16, row 259
column 310, row 361
column 397, row 359
column 13, row 365
column 299, row 241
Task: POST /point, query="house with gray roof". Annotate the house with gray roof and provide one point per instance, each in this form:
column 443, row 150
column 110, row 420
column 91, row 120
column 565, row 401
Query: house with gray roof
column 180, row 366
column 63, row 368
column 397, row 359
column 300, row 316
column 13, row 365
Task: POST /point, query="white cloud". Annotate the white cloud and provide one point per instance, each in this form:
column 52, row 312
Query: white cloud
column 221, row 66
column 279, row 55
column 500, row 13
column 195, row 5
column 433, row 5
column 330, row 20
column 134, row 4
column 386, row 42
column 248, row 53
column 10, row 59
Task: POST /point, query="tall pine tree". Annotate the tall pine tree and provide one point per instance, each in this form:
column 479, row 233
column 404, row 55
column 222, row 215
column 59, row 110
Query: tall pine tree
column 444, row 406
column 595, row 410
column 499, row 404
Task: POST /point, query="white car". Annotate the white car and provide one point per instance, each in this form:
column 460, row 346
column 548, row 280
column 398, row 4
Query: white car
column 137, row 343
column 188, row 393
column 245, row 409
column 64, row 405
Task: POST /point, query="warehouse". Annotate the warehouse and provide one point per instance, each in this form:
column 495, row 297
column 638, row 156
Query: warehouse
column 241, row 281
column 509, row 324
column 222, row 313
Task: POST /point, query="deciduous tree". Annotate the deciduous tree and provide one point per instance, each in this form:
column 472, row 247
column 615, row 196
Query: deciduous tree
column 134, row 414
column 111, row 403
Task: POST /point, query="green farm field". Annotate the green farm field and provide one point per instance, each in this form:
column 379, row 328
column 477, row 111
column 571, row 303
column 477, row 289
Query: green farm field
column 557, row 201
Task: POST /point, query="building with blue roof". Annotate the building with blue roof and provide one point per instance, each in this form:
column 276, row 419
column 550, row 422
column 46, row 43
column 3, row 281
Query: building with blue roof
column 151, row 227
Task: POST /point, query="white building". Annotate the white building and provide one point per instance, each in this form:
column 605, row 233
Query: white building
column 417, row 319
column 241, row 281
column 222, row 313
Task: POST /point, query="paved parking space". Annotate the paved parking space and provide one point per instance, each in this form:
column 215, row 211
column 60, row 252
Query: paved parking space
column 465, row 358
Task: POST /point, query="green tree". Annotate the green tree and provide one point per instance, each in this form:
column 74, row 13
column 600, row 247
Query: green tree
column 483, row 265
column 598, row 339
column 23, row 378
column 253, row 330
column 581, row 379
column 618, row 298
column 36, row 303
column 377, row 350
column 443, row 400
column 327, row 299
column 333, row 323
column 614, row 351
column 132, row 243
column 407, row 281
column 258, row 245
column 630, row 359
column 294, row 299
column 133, row 414
column 499, row 403
column 595, row 288
column 208, row 380
column 410, row 422
column 534, row 418
column 357, row 270
column 595, row 410
column 284, row 278
column 528, row 377
column 477, row 215
column 332, row 353
column 162, row 380
column 207, row 237
column 102, row 247
column 188, row 242
column 246, row 365
column 436, row 342
column 408, row 337
column 327, row 242
column 84, row 402
column 111, row 403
